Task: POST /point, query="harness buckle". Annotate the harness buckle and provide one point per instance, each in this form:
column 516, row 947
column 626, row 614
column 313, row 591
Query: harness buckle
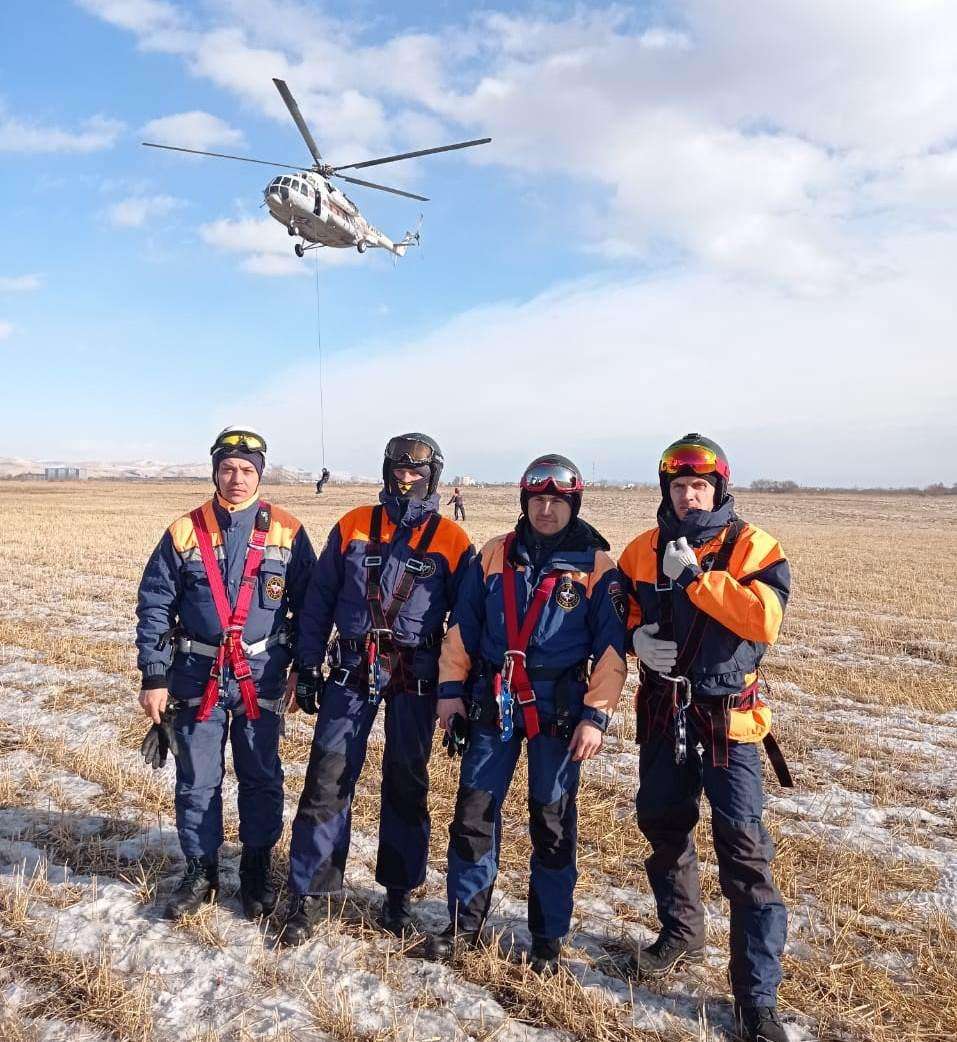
column 414, row 565
column 664, row 589
column 343, row 678
column 372, row 560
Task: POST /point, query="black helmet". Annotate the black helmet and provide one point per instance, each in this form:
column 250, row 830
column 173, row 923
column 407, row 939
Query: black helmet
column 412, row 450
column 553, row 475
column 695, row 454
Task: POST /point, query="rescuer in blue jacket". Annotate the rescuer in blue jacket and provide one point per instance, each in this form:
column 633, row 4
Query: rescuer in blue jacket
column 538, row 607
column 386, row 580
column 182, row 644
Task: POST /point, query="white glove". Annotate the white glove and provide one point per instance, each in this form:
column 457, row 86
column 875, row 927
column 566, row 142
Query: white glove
column 677, row 557
column 659, row 655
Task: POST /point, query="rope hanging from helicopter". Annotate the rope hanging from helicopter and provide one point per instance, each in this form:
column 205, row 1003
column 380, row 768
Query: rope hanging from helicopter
column 322, row 404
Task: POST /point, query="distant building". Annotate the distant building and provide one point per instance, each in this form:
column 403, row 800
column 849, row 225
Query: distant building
column 463, row 480
column 64, row 474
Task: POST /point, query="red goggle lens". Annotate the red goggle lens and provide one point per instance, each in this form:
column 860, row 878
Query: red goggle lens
column 695, row 458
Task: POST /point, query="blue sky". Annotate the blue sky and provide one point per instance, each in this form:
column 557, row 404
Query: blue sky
column 687, row 219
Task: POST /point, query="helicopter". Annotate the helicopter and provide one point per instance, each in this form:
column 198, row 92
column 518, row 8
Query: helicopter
column 318, row 212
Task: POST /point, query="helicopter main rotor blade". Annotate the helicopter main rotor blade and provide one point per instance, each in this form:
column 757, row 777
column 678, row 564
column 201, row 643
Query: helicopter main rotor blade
column 414, row 155
column 220, row 155
column 297, row 116
column 382, row 188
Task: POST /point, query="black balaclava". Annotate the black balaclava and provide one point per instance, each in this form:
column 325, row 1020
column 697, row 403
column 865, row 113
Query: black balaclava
column 416, row 490
column 257, row 459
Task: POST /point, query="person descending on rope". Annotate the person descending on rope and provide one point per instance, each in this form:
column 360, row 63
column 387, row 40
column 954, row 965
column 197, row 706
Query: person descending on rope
column 323, row 481
column 535, row 656
column 218, row 609
column 707, row 596
column 386, row 580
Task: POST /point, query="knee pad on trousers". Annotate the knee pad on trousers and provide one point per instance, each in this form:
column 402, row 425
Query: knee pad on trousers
column 328, row 787
column 745, row 851
column 473, row 827
column 550, row 833
column 405, row 785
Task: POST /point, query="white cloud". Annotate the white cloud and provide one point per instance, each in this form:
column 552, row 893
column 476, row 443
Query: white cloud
column 199, row 130
column 758, row 370
column 96, row 133
column 137, row 210
column 20, row 283
column 755, row 142
column 266, row 249
column 5, row 330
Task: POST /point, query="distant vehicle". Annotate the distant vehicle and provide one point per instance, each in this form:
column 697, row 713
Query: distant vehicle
column 312, row 209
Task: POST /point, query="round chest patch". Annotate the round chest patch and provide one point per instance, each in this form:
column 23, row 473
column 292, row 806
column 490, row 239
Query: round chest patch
column 428, row 568
column 566, row 596
column 275, row 586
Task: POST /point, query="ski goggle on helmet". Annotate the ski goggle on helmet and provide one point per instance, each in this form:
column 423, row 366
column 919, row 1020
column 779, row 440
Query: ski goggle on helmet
column 692, row 457
column 552, row 474
column 236, row 438
column 409, row 452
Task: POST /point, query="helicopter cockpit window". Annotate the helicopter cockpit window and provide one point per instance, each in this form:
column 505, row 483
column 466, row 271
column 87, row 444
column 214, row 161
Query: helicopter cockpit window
column 286, row 181
column 304, row 188
column 295, row 185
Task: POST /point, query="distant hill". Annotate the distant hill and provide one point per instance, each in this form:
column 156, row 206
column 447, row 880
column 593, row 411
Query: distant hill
column 155, row 470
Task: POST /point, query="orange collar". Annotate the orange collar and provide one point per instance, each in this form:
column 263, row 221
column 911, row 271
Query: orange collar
column 233, row 507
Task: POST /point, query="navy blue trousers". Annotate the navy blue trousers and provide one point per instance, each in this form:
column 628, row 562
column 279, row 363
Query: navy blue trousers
column 667, row 807
column 476, row 830
column 322, row 829
column 201, row 765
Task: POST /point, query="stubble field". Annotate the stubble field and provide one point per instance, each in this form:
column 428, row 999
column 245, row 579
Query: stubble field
column 863, row 681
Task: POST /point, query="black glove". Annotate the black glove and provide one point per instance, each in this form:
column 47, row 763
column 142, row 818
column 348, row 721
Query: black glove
column 160, row 739
column 456, row 738
column 309, row 685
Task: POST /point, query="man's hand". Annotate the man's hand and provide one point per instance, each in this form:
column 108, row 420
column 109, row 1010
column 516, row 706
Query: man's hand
column 677, row 557
column 659, row 655
column 308, row 689
column 586, row 741
column 153, row 702
column 447, row 708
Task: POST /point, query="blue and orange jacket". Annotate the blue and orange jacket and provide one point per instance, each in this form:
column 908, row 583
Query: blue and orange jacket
column 583, row 620
column 337, row 593
column 746, row 603
column 174, row 591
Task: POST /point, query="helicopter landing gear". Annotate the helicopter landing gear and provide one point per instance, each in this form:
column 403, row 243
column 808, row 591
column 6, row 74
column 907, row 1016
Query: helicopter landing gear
column 300, row 251
column 290, row 230
column 362, row 246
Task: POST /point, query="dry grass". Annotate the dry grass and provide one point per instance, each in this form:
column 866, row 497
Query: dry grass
column 871, row 622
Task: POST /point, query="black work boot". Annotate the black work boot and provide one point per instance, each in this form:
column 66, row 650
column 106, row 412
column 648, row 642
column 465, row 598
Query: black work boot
column 255, row 882
column 395, row 916
column 758, row 1024
column 545, row 954
column 441, row 946
column 199, row 883
column 302, row 915
column 660, row 958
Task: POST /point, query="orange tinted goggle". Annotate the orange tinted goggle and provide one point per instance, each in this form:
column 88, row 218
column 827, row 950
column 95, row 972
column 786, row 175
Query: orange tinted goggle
column 696, row 458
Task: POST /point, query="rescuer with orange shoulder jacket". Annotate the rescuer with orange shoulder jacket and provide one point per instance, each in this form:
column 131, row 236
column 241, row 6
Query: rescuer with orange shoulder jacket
column 707, row 593
column 386, row 579
column 218, row 607
column 535, row 650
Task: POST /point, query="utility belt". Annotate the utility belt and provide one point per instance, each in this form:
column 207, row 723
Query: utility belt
column 187, row 645
column 399, row 660
column 485, row 687
column 742, row 717
column 272, row 705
